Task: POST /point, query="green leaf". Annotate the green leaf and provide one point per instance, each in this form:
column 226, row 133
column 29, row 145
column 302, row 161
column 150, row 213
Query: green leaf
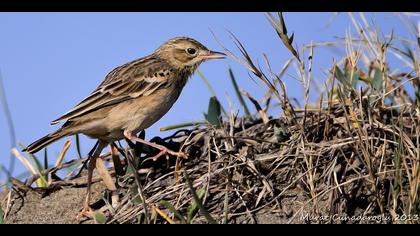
column 377, row 79
column 100, row 218
column 353, row 77
column 214, row 111
column 172, row 209
column 341, row 76
column 193, row 209
column 344, row 79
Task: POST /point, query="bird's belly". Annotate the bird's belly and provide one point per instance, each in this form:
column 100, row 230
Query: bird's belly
column 140, row 113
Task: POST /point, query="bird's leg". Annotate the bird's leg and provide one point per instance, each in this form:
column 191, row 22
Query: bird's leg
column 163, row 150
column 93, row 154
column 85, row 163
column 96, row 161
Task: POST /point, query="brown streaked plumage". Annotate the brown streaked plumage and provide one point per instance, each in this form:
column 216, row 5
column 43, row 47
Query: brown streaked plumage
column 119, row 102
column 130, row 99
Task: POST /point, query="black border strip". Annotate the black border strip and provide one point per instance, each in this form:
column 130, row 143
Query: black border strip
column 207, row 5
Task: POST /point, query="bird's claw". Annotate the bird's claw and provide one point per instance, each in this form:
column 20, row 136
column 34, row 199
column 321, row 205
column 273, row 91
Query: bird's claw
column 166, row 151
column 87, row 211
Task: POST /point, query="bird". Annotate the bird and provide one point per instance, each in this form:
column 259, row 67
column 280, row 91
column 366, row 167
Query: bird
column 131, row 98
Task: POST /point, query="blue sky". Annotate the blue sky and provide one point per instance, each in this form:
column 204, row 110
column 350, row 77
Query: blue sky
column 50, row 61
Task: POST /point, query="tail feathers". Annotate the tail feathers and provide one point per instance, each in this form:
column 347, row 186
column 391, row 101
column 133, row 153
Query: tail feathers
column 44, row 141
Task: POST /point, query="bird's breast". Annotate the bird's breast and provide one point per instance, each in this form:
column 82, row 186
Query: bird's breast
column 141, row 113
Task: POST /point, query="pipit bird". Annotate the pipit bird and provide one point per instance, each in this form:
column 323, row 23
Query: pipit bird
column 130, row 99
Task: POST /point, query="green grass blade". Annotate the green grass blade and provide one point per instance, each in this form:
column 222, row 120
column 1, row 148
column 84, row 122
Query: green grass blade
column 77, row 141
column 45, row 158
column 3, row 170
column 41, row 182
column 182, row 125
column 139, row 186
column 10, row 125
column 192, row 210
column 1, row 216
column 207, row 83
column 238, row 93
column 137, row 199
column 172, row 209
column 211, row 89
column 203, row 210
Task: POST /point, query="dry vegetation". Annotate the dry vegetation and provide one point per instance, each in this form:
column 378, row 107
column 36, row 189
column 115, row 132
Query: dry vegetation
column 352, row 156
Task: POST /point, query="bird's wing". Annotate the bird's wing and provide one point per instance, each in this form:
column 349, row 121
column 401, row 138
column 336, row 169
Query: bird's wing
column 138, row 78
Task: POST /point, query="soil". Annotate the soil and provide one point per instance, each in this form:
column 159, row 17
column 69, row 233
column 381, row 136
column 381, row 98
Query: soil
column 60, row 207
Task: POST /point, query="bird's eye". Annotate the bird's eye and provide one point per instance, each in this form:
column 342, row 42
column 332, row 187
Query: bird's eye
column 191, row 51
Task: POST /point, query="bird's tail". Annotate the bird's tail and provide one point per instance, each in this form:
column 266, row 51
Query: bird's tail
column 46, row 140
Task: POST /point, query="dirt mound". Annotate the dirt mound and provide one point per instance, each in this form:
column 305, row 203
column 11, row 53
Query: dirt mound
column 352, row 156
column 59, row 207
column 313, row 169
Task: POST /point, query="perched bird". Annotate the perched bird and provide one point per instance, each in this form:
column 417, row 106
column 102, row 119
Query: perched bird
column 131, row 98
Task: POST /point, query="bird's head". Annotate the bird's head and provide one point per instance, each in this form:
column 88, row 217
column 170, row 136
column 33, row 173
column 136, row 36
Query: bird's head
column 183, row 52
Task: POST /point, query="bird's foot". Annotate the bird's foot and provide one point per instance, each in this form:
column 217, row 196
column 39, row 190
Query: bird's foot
column 164, row 151
column 87, row 211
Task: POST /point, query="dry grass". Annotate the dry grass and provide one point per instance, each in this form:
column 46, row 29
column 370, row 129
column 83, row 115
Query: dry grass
column 352, row 156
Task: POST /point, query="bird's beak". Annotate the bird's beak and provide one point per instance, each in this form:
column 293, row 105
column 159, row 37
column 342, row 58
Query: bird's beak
column 213, row 55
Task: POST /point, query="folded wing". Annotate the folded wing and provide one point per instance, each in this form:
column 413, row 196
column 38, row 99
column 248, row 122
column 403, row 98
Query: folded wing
column 141, row 77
